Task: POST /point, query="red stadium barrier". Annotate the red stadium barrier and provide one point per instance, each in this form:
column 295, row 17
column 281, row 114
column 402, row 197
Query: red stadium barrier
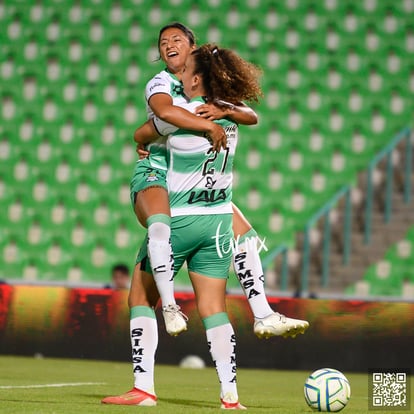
column 94, row 323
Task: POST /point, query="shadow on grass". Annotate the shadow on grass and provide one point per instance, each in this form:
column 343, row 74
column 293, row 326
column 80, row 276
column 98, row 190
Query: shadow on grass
column 190, row 403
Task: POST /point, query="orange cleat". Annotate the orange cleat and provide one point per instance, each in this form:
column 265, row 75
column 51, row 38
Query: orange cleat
column 229, row 402
column 133, row 397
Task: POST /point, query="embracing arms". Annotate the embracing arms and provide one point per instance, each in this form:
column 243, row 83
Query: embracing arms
column 241, row 113
column 162, row 106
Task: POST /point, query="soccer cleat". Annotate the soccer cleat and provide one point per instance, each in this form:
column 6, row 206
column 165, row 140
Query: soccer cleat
column 175, row 320
column 277, row 324
column 133, row 397
column 229, row 402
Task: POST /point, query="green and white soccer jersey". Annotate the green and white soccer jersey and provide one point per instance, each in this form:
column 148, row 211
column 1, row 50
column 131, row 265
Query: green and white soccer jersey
column 199, row 180
column 163, row 82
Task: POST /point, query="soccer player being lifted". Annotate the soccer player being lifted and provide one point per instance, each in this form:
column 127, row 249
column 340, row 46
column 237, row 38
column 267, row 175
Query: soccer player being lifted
column 149, row 194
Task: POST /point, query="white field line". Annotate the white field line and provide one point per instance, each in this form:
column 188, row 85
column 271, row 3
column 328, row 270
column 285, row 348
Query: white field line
column 67, row 384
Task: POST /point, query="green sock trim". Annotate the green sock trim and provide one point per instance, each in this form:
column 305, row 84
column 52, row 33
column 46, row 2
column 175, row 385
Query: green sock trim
column 217, row 319
column 159, row 218
column 251, row 233
column 137, row 311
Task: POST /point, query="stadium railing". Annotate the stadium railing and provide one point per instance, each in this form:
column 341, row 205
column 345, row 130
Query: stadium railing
column 346, row 226
column 386, row 154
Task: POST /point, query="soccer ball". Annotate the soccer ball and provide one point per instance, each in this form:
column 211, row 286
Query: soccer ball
column 327, row 389
column 192, row 362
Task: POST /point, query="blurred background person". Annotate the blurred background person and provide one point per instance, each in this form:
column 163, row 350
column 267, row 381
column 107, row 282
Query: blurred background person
column 120, row 277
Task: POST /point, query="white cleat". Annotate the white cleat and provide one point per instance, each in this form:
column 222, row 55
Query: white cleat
column 277, row 324
column 175, row 320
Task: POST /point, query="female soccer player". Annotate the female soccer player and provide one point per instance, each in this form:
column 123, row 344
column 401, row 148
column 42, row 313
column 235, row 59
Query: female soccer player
column 199, row 183
column 150, row 198
column 148, row 186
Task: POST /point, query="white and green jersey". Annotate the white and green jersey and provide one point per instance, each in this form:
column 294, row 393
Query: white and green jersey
column 199, row 180
column 163, row 82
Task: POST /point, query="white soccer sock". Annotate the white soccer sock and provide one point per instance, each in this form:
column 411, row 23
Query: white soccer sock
column 144, row 341
column 222, row 345
column 161, row 256
column 249, row 271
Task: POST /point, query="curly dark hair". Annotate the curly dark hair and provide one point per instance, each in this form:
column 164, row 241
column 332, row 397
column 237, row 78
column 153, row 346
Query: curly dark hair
column 226, row 76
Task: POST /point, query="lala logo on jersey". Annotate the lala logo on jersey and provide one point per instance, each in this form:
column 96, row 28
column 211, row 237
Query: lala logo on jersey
column 206, row 196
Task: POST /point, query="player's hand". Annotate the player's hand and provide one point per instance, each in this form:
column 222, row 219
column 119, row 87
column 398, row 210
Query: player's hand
column 218, row 137
column 142, row 151
column 211, row 111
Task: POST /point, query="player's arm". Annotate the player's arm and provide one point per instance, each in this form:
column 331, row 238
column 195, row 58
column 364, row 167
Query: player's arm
column 241, row 113
column 146, row 133
column 162, row 106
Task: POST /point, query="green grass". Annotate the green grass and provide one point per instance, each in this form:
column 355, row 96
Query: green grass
column 179, row 390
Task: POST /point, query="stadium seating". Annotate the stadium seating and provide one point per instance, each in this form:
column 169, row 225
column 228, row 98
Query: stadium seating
column 72, row 77
column 394, row 274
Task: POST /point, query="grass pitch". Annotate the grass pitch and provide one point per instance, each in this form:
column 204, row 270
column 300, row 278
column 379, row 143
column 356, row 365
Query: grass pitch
column 179, row 390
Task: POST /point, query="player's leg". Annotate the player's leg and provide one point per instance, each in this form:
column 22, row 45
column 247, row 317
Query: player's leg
column 210, row 294
column 210, row 298
column 143, row 297
column 151, row 205
column 249, row 271
column 247, row 265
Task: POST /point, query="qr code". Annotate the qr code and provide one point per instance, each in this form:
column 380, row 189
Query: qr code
column 389, row 389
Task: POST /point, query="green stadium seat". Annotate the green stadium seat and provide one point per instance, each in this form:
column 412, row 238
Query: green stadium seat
column 339, row 163
column 235, row 18
column 106, row 172
column 99, row 261
column 319, row 182
column 43, row 191
column 279, row 179
column 402, row 259
column 61, row 212
column 383, row 279
column 71, row 92
column 21, row 169
column 87, row 154
column 105, row 215
column 315, row 60
column 13, row 254
column 27, row 129
column 298, row 205
column 334, row 79
column 78, row 273
column 78, row 14
column 38, row 232
column 8, row 152
column 250, row 196
column 85, row 193
column 79, row 231
column 281, row 229
column 31, row 270
column 9, row 68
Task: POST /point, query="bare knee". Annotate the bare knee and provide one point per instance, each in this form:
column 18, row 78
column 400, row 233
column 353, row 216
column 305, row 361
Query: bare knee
column 143, row 291
column 210, row 294
column 208, row 308
column 140, row 298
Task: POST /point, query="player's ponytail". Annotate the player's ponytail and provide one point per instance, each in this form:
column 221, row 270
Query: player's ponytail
column 226, row 76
